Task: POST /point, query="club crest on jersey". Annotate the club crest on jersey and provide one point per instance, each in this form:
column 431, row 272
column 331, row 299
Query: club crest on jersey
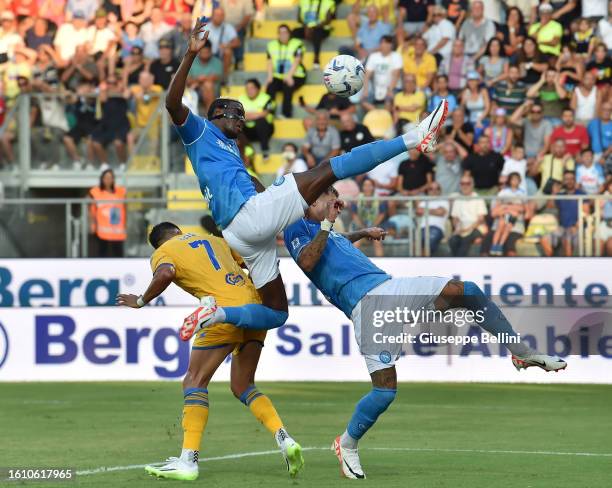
column 279, row 181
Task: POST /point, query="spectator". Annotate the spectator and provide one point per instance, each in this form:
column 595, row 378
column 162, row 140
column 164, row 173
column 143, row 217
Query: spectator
column 440, row 91
column 589, row 174
column 508, row 210
column 205, row 75
column 511, row 92
column 440, row 35
column 138, row 11
column 286, row 73
column 385, row 178
column 101, row 38
column 152, row 31
column 604, row 231
column 601, row 67
column 547, row 32
column 475, row 100
column 70, row 36
column 567, row 233
column 370, row 33
column 291, row 162
column 259, row 115
column 484, row 166
column 448, row 167
column 164, row 68
column 515, row 164
column 130, row 37
column 499, row 133
column 146, row 96
column 81, row 8
column 133, row 66
column 223, row 39
column 420, row 63
column 415, row 174
column 82, row 68
column 369, row 213
column 409, row 104
column 83, row 107
column 493, row 66
column 477, row 30
column 414, row 16
column 107, row 216
column 551, row 94
column 179, row 35
column 334, row 104
column 9, row 37
column 315, row 17
column 39, row 35
column 535, row 129
column 586, row 99
column 114, row 125
column 584, row 40
column 513, row 32
column 468, row 219
column 52, row 10
column 360, row 15
column 382, row 75
column 552, row 166
column 322, row 140
column 239, row 14
column 570, row 66
column 604, row 28
column 564, row 11
column 433, row 214
column 352, row 133
column 531, row 62
column 456, row 11
column 600, row 133
column 460, row 130
column 575, row 135
column 456, row 67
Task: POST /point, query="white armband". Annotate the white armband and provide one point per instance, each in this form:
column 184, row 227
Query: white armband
column 140, row 302
column 326, row 225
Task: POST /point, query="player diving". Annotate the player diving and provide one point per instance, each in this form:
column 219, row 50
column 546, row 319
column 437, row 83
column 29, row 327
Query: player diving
column 205, row 266
column 250, row 215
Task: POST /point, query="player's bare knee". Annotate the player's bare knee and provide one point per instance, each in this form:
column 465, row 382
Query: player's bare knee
column 451, row 296
column 385, row 378
column 239, row 386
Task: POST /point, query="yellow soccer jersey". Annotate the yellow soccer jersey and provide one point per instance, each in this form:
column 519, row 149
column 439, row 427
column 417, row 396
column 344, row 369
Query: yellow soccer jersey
column 205, row 265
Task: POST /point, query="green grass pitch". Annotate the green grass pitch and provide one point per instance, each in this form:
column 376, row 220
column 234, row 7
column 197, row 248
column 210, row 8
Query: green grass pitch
column 437, row 435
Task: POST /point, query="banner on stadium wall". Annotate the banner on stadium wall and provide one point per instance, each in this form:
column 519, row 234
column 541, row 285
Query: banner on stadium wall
column 317, row 343
column 95, row 282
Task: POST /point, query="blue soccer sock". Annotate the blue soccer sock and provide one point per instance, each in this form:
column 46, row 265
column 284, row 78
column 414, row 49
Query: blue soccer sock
column 252, row 316
column 367, row 411
column 495, row 322
column 365, row 158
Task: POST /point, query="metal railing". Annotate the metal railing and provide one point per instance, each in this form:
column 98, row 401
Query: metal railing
column 61, row 227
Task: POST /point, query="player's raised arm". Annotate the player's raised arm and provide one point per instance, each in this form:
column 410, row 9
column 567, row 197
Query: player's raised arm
column 163, row 276
column 174, row 98
column 311, row 253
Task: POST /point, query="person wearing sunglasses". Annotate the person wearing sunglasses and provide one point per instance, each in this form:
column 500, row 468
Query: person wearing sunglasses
column 536, row 129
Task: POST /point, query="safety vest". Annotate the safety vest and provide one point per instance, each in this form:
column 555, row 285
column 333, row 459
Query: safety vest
column 282, row 57
column 109, row 217
column 313, row 12
column 259, row 103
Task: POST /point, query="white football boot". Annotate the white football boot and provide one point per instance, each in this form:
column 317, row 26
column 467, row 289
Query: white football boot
column 547, row 363
column 202, row 317
column 176, row 468
column 429, row 128
column 350, row 466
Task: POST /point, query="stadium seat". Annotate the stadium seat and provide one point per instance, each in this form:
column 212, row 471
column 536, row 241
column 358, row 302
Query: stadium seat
column 176, row 200
column 268, row 166
column 289, row 129
column 311, row 93
column 268, row 29
column 257, row 61
column 380, row 123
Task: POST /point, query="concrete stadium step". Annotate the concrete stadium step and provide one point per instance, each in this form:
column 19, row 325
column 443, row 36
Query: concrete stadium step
column 313, row 77
column 176, row 200
column 291, row 12
column 329, row 44
column 255, row 61
column 311, row 93
column 268, row 29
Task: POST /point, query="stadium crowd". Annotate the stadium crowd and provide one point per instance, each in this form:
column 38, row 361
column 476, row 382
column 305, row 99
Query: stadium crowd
column 528, row 83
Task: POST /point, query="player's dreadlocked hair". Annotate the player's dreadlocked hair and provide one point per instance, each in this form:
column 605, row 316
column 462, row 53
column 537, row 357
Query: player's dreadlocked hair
column 221, row 103
column 160, row 231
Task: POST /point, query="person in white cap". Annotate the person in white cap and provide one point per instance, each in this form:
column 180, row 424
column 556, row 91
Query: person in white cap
column 547, row 31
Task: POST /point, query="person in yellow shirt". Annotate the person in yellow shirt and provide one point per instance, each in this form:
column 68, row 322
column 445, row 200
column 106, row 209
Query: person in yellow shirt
column 146, row 96
column 409, row 104
column 420, row 63
column 204, row 266
column 547, row 32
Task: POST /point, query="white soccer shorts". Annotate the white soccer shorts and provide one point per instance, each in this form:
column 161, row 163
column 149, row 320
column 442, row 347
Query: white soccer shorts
column 413, row 293
column 252, row 232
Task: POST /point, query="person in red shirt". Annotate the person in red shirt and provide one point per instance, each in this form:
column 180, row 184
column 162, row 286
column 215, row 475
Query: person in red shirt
column 575, row 135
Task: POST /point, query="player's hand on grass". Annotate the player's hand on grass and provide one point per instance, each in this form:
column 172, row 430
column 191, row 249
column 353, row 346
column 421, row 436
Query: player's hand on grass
column 334, row 207
column 198, row 37
column 375, row 233
column 127, row 300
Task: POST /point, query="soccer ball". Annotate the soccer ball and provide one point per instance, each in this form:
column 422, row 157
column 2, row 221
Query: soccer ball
column 344, row 75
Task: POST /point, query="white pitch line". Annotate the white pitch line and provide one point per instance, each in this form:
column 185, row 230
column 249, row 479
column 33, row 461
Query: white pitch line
column 405, row 449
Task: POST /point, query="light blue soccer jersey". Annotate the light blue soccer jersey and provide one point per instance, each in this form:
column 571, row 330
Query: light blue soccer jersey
column 343, row 274
column 216, row 161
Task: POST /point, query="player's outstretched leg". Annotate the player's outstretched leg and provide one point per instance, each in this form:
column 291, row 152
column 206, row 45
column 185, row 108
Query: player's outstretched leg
column 367, row 411
column 467, row 294
column 243, row 387
column 202, row 365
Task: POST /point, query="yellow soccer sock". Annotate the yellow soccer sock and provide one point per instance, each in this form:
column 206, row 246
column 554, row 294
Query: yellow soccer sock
column 262, row 408
column 195, row 416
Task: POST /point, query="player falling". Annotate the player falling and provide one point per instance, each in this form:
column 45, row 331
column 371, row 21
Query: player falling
column 203, row 266
column 250, row 215
column 345, row 275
